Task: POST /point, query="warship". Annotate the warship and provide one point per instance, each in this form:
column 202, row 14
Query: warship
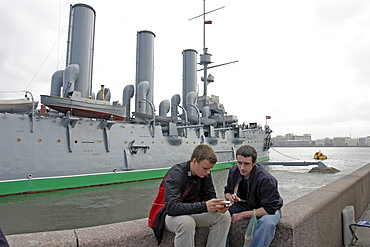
column 77, row 139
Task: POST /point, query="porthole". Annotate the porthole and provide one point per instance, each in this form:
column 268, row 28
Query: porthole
column 99, row 141
column 76, row 141
column 59, row 141
column 39, row 140
column 18, row 140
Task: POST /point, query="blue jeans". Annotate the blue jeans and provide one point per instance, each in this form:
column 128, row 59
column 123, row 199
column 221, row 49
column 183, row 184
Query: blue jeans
column 266, row 225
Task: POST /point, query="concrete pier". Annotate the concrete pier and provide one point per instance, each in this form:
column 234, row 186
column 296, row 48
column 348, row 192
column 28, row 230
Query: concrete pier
column 312, row 220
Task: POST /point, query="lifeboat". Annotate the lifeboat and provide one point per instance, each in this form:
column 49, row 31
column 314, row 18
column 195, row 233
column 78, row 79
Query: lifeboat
column 319, row 156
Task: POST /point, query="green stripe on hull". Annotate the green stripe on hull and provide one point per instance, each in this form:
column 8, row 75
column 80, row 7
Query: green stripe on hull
column 57, row 183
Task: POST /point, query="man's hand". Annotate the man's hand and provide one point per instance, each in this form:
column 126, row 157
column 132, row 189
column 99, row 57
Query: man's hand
column 237, row 217
column 234, row 198
column 214, row 205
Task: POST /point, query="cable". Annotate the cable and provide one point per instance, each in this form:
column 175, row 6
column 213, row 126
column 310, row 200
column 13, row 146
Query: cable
column 284, row 154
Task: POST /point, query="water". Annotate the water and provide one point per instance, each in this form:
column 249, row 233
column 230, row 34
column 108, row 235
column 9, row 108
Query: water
column 69, row 209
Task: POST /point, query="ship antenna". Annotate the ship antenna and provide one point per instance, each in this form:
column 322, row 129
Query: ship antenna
column 205, row 58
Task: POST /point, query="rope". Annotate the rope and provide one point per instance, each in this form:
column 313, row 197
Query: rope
column 284, row 154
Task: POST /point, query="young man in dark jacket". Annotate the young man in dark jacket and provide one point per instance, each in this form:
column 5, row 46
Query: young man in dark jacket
column 190, row 201
column 251, row 187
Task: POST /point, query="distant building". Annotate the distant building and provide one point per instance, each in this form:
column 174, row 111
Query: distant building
column 291, row 140
column 364, row 141
column 326, row 142
column 339, row 141
column 278, row 141
column 305, row 137
column 354, row 142
column 289, row 136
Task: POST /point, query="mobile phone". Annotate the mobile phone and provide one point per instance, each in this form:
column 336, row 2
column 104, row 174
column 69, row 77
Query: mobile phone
column 226, row 203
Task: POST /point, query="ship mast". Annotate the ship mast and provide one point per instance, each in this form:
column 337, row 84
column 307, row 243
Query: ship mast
column 205, row 58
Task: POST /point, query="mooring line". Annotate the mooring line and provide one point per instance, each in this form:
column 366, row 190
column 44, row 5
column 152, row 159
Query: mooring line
column 284, row 154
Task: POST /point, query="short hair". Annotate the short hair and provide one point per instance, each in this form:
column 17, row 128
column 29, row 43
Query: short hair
column 247, row 151
column 204, row 152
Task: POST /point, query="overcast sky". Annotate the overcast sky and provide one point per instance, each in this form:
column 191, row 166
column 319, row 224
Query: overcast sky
column 304, row 63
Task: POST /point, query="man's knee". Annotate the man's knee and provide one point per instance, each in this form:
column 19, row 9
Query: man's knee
column 268, row 221
column 187, row 224
column 226, row 217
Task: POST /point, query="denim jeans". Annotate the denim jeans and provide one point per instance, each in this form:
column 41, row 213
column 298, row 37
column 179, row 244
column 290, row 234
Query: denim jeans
column 266, row 225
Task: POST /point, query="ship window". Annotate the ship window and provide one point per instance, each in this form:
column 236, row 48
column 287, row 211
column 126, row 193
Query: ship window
column 76, row 141
column 39, row 140
column 18, row 140
column 59, row 141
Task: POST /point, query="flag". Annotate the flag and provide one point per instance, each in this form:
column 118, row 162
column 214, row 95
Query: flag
column 268, row 117
column 207, row 22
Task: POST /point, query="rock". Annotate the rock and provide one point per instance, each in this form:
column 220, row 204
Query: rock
column 330, row 170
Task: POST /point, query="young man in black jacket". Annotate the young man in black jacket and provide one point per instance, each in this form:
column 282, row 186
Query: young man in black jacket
column 190, row 201
column 251, row 187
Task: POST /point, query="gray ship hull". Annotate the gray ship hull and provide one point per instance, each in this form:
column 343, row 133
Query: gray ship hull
column 60, row 148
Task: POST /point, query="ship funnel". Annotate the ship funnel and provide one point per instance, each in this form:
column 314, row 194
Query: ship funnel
column 128, row 93
column 189, row 74
column 80, row 45
column 145, row 66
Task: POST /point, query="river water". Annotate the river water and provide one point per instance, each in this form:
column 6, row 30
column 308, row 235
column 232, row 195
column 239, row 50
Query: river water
column 76, row 208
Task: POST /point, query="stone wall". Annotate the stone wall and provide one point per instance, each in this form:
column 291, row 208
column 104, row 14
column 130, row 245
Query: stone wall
column 312, row 220
column 316, row 218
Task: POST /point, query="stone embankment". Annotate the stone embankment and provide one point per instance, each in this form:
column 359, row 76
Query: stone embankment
column 312, row 220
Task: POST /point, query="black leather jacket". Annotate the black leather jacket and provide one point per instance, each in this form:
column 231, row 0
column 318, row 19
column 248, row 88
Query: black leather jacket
column 178, row 180
column 263, row 188
column 184, row 194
